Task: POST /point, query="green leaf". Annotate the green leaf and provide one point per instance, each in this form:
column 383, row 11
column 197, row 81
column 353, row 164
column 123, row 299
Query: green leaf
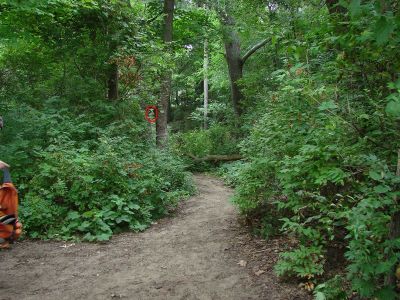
column 365, row 287
column 394, row 85
column 121, row 219
column 393, row 108
column 386, row 293
column 355, row 7
column 134, row 206
column 384, row 267
column 138, row 226
column 381, row 189
column 320, row 296
column 327, row 105
column 73, row 215
column 383, row 30
column 103, row 237
column 375, row 175
column 84, row 226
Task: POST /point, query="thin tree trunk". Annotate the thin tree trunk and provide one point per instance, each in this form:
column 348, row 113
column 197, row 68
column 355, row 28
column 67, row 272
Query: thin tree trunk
column 206, row 63
column 112, row 83
column 166, row 81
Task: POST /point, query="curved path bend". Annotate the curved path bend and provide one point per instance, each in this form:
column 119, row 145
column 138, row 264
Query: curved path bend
column 188, row 256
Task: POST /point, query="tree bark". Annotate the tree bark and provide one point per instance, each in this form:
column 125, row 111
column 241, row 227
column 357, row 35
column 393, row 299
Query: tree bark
column 216, row 158
column 206, row 63
column 166, row 81
column 254, row 49
column 234, row 61
column 113, row 82
column 334, row 7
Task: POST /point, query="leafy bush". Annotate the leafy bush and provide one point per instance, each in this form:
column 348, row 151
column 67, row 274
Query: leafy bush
column 217, row 140
column 332, row 289
column 230, row 172
column 328, row 192
column 86, row 166
column 94, row 193
column 323, row 154
column 304, row 262
column 195, row 142
column 79, row 180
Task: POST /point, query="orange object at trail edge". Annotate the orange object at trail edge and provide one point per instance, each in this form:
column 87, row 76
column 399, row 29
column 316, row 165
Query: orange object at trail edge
column 9, row 206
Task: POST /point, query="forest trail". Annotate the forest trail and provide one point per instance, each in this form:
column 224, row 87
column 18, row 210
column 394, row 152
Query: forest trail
column 189, row 256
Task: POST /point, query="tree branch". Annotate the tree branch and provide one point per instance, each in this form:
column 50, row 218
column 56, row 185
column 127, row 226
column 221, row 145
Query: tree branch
column 154, row 18
column 254, row 49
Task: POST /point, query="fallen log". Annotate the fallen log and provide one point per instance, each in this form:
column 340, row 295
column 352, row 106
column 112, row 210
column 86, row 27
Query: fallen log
column 216, row 158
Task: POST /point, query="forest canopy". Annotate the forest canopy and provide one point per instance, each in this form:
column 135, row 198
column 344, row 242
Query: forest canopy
column 294, row 103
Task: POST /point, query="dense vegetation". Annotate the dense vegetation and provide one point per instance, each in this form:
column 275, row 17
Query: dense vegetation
column 311, row 109
column 86, row 165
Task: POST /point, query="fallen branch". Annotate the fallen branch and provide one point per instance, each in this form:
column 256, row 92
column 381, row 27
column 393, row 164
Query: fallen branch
column 216, row 158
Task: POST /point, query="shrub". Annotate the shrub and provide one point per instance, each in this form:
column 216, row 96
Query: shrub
column 78, row 179
column 95, row 193
column 332, row 289
column 217, row 140
column 331, row 182
column 230, row 172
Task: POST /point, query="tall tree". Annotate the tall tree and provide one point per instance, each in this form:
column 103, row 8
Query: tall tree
column 234, row 58
column 166, row 80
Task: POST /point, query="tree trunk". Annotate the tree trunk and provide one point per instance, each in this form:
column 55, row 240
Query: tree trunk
column 334, row 7
column 216, row 158
column 234, row 60
column 166, row 81
column 206, row 63
column 113, row 82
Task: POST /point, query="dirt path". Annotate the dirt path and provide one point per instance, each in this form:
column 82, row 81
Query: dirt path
column 190, row 256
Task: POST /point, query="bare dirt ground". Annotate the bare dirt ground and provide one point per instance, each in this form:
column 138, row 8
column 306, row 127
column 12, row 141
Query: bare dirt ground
column 200, row 253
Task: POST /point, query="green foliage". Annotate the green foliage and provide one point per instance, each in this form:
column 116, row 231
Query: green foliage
column 319, row 136
column 103, row 190
column 267, row 227
column 332, row 289
column 217, row 140
column 80, row 180
column 230, row 172
column 86, row 167
column 252, row 189
column 323, row 149
column 41, row 217
column 193, row 142
column 304, row 262
column 371, row 253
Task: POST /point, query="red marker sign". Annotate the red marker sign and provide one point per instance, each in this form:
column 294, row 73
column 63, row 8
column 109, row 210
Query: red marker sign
column 148, row 110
